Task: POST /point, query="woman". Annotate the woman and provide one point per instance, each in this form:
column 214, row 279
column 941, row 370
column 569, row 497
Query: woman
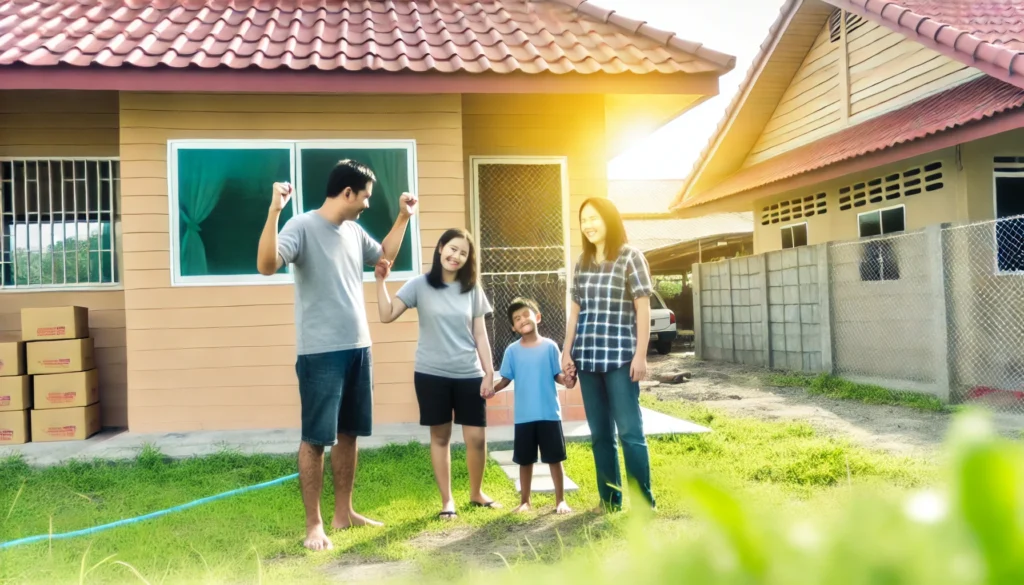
column 454, row 373
column 606, row 345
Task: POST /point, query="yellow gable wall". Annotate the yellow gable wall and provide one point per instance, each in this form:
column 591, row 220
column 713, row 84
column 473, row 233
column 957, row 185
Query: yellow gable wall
column 223, row 357
column 59, row 124
column 842, row 82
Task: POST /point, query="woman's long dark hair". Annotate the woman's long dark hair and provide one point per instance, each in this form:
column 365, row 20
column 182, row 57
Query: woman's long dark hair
column 466, row 275
column 615, row 235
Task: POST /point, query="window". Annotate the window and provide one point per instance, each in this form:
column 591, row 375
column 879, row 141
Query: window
column 220, row 191
column 794, row 236
column 58, row 221
column 879, row 260
column 881, row 222
column 1009, row 204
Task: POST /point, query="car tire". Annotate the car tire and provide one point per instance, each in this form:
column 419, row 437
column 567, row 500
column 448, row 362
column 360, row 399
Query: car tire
column 663, row 347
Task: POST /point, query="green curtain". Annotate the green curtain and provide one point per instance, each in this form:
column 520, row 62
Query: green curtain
column 392, row 172
column 201, row 178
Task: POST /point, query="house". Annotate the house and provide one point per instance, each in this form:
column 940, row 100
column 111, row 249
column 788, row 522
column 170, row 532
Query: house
column 862, row 118
column 139, row 141
column 880, row 147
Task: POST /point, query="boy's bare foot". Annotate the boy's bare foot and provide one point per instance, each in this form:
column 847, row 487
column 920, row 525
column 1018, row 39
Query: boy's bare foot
column 353, row 520
column 316, row 539
column 522, row 508
column 563, row 508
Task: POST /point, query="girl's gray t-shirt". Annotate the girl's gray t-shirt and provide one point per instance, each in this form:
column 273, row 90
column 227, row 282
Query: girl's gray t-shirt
column 446, row 346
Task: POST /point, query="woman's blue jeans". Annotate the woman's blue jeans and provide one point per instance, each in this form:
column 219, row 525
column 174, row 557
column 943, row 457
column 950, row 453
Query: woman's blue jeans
column 612, row 400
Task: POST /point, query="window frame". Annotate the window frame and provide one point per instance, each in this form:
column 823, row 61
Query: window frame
column 881, row 226
column 807, row 232
column 115, row 233
column 996, row 175
column 295, row 147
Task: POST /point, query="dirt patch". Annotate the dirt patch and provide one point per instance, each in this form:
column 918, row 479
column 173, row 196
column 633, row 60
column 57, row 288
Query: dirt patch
column 742, row 391
column 461, row 548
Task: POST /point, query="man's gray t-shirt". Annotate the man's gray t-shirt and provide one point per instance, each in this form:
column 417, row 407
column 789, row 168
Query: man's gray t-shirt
column 328, row 260
column 446, row 344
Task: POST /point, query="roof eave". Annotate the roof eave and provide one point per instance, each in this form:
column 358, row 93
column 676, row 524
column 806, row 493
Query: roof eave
column 996, row 124
column 220, row 79
column 767, row 49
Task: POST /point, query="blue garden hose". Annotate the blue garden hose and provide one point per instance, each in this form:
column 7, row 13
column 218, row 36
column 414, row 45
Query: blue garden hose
column 101, row 528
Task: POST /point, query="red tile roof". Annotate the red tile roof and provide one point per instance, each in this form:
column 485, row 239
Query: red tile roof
column 987, row 34
column 971, row 102
column 446, row 36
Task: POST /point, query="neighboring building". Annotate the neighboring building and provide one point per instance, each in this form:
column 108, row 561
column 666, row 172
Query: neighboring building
column 868, row 118
column 142, row 139
column 671, row 244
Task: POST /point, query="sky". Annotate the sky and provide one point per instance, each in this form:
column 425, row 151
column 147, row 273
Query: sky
column 735, row 27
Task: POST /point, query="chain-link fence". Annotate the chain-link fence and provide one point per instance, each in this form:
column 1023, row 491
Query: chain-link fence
column 883, row 313
column 522, row 245
column 985, row 298
column 939, row 311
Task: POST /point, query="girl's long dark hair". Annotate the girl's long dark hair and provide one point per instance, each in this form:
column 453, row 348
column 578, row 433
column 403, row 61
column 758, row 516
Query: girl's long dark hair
column 615, row 236
column 466, row 275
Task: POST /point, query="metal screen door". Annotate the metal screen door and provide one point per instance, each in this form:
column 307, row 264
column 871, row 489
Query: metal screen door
column 521, row 222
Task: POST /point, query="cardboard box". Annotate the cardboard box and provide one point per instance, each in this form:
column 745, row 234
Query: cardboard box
column 15, row 393
column 66, row 390
column 12, row 358
column 65, row 424
column 59, row 357
column 14, row 427
column 54, row 323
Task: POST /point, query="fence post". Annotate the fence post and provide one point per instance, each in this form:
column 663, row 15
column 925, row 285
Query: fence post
column 825, row 308
column 695, row 286
column 762, row 287
column 935, row 255
column 728, row 310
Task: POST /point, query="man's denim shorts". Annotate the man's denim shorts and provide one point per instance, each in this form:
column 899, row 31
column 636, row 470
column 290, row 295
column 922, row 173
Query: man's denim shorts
column 336, row 392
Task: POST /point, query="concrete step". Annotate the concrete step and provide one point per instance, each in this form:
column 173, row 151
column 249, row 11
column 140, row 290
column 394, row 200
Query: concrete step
column 542, row 482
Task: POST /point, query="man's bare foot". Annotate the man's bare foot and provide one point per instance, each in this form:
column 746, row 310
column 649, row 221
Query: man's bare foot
column 523, row 508
column 563, row 508
column 353, row 520
column 316, row 539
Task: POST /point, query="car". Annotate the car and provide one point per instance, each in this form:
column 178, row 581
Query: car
column 663, row 325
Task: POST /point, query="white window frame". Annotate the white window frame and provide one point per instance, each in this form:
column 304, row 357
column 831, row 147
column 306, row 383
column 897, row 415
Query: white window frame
column 295, row 147
column 995, row 210
column 807, row 229
column 115, row 232
column 880, row 225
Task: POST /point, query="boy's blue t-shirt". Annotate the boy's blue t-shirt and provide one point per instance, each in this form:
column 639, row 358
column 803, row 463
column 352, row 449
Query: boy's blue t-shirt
column 533, row 369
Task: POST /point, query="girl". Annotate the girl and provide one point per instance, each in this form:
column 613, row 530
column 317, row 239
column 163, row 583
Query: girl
column 454, row 372
column 606, row 346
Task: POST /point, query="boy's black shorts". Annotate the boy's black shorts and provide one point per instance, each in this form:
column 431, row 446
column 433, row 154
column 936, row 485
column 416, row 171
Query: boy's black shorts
column 545, row 435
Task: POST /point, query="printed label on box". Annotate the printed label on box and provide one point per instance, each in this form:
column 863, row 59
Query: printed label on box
column 6, row 435
column 5, row 400
column 57, row 362
column 61, row 397
column 51, row 331
column 65, row 431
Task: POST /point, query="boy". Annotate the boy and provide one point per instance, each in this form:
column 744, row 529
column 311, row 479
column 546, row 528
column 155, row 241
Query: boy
column 534, row 364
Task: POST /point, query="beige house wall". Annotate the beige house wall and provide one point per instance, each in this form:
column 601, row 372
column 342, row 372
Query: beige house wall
column 63, row 124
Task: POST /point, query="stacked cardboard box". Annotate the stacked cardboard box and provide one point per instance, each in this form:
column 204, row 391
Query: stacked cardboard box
column 15, row 394
column 65, row 384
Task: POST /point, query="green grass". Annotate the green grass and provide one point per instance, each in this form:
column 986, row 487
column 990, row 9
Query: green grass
column 838, row 388
column 257, row 536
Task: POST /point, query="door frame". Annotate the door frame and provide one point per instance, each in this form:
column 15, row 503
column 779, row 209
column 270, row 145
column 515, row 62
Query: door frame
column 474, row 202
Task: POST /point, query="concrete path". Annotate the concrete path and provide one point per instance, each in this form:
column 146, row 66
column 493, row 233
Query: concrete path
column 542, row 482
column 119, row 445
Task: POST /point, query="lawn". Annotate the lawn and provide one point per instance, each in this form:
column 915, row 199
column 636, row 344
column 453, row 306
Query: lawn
column 255, row 537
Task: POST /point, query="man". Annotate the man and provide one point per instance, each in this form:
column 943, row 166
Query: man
column 328, row 251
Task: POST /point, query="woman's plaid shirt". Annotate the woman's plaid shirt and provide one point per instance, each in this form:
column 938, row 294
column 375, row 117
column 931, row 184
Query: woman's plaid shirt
column 606, row 330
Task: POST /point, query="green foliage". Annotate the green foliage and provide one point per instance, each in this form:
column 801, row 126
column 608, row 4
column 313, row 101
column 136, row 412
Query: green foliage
column 835, row 387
